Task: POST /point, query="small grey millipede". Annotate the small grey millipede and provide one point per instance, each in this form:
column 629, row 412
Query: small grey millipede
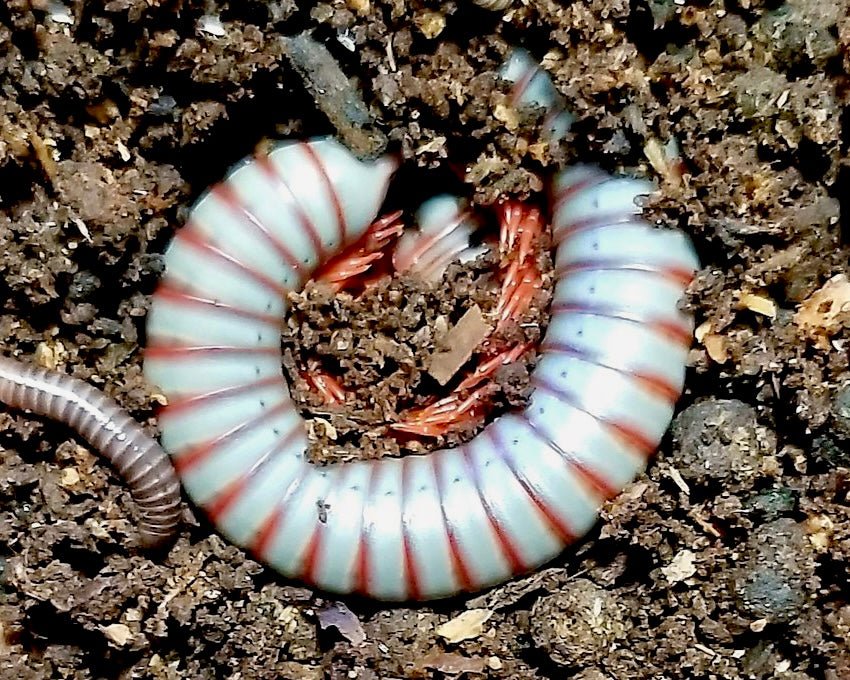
column 99, row 420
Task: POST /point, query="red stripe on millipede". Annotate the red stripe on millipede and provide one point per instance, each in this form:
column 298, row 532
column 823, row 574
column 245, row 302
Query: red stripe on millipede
column 461, row 569
column 178, row 352
column 521, row 85
column 556, row 524
column 569, row 191
column 362, row 568
column 266, row 533
column 200, row 452
column 187, row 403
column 552, row 116
column 264, row 163
column 509, row 550
column 598, row 486
column 199, row 243
column 671, row 273
column 342, row 227
column 231, row 494
column 628, row 433
column 671, row 330
column 169, row 291
column 636, row 439
column 657, row 385
column 411, row 571
column 271, row 525
column 362, row 563
column 228, row 197
column 570, row 229
column 310, row 559
column 218, row 506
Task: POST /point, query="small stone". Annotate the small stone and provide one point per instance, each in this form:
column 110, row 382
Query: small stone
column 721, row 439
column 579, row 625
column 776, row 572
column 773, row 503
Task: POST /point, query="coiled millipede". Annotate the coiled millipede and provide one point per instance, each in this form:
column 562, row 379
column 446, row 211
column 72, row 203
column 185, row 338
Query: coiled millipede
column 425, row 526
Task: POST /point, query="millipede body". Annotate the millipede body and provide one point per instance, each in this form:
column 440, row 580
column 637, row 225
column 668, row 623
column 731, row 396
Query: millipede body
column 137, row 457
column 425, row 526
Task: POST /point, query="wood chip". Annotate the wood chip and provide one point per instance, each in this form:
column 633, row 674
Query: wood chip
column 362, row 7
column 329, row 430
column 44, row 154
column 117, row 633
column 820, row 530
column 461, row 340
column 468, row 625
column 431, row 24
column 674, row 474
column 717, row 348
column 681, row 568
column 44, row 356
column 69, row 477
column 507, row 115
column 758, row 625
column 715, row 344
column 824, row 312
column 665, row 159
column 759, row 304
column 452, row 663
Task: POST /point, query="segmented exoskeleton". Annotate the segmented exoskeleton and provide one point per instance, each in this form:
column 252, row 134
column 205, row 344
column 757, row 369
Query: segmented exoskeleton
column 426, row 526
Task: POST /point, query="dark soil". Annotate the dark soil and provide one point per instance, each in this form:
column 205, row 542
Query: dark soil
column 729, row 559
